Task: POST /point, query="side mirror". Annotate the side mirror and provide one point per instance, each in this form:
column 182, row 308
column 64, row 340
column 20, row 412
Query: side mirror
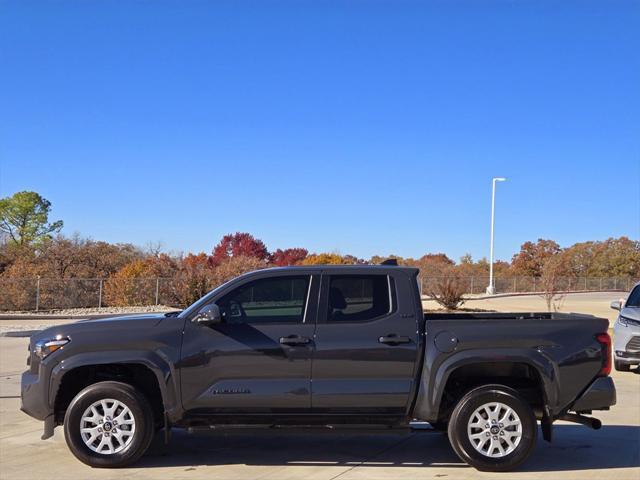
column 208, row 315
column 616, row 304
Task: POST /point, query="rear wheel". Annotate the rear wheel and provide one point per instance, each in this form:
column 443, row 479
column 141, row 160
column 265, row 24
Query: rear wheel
column 108, row 424
column 621, row 366
column 493, row 429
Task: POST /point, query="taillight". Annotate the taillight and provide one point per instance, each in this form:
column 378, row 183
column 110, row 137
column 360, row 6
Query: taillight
column 605, row 341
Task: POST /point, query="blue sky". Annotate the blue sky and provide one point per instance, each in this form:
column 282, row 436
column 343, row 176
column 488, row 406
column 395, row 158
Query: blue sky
column 363, row 127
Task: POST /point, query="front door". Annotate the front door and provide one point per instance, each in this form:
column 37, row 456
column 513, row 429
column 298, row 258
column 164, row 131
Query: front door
column 366, row 345
column 258, row 360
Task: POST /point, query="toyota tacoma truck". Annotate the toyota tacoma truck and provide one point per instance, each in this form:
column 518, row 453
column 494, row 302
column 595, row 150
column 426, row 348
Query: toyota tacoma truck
column 319, row 346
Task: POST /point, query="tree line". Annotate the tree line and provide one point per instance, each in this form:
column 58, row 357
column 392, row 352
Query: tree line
column 32, row 246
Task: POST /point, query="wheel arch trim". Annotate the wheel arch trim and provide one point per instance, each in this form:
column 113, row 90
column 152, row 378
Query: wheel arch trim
column 433, row 382
column 166, row 376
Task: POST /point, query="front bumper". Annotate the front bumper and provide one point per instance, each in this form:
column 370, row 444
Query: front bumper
column 626, row 345
column 600, row 395
column 34, row 396
column 622, row 356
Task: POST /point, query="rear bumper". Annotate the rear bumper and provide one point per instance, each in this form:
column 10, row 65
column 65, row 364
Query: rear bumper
column 600, row 395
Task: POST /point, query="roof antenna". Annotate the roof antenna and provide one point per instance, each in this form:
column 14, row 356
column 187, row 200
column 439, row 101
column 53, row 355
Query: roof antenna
column 390, row 261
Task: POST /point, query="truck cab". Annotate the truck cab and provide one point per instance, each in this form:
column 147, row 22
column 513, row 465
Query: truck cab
column 269, row 328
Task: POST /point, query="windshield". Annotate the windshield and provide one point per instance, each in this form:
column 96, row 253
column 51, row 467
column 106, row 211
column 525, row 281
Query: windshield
column 634, row 298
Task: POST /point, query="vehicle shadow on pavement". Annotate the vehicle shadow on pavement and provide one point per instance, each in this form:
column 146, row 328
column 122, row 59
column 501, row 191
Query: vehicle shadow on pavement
column 575, row 447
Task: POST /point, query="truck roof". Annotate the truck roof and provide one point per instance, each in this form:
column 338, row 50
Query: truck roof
column 346, row 268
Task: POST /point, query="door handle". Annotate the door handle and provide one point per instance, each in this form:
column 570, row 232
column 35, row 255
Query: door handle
column 393, row 339
column 294, row 340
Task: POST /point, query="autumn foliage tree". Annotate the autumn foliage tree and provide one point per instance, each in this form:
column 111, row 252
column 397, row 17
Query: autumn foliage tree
column 65, row 270
column 288, row 256
column 532, row 257
column 234, row 266
column 618, row 257
column 134, row 283
column 195, row 279
column 239, row 244
column 327, row 259
column 434, row 264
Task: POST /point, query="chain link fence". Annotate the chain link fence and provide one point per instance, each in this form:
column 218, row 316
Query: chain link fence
column 478, row 285
column 36, row 294
column 54, row 294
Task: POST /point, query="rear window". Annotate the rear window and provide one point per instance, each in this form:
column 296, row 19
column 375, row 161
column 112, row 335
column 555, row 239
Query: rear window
column 634, row 298
column 358, row 298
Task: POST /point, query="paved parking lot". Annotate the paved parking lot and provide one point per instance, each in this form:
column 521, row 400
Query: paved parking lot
column 577, row 452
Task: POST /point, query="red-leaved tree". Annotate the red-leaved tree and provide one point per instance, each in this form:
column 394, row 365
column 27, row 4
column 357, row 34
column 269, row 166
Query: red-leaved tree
column 238, row 244
column 288, row 256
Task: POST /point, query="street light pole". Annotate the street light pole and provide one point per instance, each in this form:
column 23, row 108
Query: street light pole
column 491, row 289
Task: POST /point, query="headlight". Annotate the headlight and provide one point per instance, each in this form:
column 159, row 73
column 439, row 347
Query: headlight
column 624, row 321
column 46, row 347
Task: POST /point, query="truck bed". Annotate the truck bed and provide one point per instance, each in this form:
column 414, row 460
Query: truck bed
column 503, row 316
column 557, row 350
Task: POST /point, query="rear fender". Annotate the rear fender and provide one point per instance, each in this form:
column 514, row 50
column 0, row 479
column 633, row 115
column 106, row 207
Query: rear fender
column 437, row 370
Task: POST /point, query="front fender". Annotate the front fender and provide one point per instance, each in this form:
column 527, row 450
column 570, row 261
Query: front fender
column 162, row 368
column 438, row 367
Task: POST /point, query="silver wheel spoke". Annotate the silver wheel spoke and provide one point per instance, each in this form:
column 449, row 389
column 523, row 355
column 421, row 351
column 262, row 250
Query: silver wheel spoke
column 124, row 419
column 482, row 443
column 107, row 426
column 487, row 409
column 494, row 429
column 509, row 442
column 510, row 423
column 103, row 445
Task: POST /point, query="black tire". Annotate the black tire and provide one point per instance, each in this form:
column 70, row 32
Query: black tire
column 461, row 443
column 142, row 414
column 621, row 366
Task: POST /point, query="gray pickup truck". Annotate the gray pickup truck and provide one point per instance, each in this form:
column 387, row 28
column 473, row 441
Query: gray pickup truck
column 335, row 346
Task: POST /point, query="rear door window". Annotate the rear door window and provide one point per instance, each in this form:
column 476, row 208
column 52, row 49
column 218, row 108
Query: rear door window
column 358, row 298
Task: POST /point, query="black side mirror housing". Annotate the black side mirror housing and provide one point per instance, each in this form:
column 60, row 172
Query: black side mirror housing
column 208, row 315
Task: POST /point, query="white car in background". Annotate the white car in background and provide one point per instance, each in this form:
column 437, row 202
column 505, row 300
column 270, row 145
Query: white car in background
column 626, row 331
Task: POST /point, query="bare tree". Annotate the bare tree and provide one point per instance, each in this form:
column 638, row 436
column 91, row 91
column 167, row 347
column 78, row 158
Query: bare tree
column 448, row 291
column 553, row 272
column 154, row 249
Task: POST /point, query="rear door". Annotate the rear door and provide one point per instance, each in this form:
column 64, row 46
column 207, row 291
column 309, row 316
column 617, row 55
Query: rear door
column 366, row 344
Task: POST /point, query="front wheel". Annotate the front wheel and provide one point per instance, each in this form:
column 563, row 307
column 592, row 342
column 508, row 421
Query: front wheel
column 108, row 424
column 493, row 429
